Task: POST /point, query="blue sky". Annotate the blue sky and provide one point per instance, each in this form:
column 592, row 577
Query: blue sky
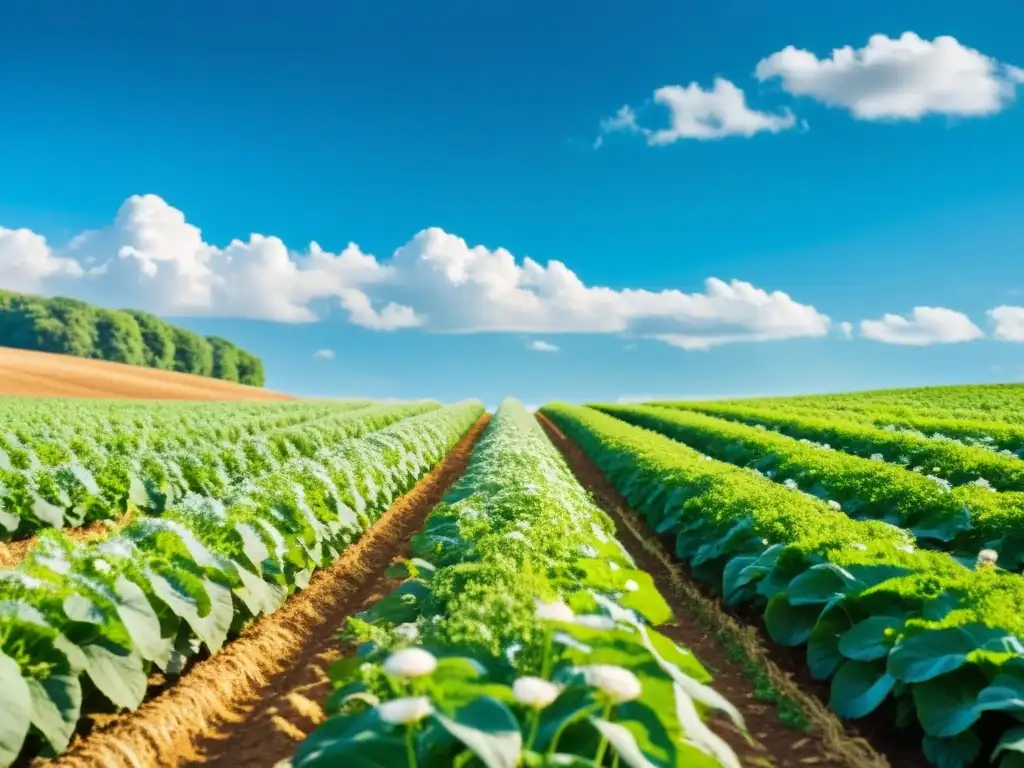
column 369, row 122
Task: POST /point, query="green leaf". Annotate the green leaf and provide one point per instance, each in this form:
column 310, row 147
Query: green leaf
column 364, row 749
column 956, row 752
column 935, row 652
column 823, row 656
column 56, row 705
column 859, row 687
column 141, row 621
column 1011, row 741
column 489, row 729
column 948, row 706
column 790, row 624
column 118, row 673
column 623, row 742
column 15, row 710
column 870, row 639
column 821, row 584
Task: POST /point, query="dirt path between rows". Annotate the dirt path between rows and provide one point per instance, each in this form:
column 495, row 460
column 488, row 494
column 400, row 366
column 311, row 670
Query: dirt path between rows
column 251, row 703
column 701, row 626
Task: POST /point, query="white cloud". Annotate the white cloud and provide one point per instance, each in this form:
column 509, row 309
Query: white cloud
column 926, row 325
column 695, row 113
column 1009, row 323
column 323, row 354
column 26, row 262
column 846, row 328
column 152, row 258
column 541, row 346
column 902, row 78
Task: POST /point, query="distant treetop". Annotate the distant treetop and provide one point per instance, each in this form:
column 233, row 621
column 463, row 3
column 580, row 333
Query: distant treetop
column 72, row 327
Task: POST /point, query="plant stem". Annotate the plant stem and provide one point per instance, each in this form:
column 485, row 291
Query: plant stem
column 410, row 746
column 603, row 746
column 534, row 724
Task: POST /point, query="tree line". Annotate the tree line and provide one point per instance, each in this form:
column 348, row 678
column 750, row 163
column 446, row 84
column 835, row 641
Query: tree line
column 73, row 327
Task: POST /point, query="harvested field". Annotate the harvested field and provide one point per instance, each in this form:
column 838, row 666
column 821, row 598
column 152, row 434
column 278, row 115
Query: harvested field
column 251, row 703
column 42, row 374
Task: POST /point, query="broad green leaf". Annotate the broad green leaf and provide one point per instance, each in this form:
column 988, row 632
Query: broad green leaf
column 821, row 584
column 790, row 624
column 948, row 705
column 118, row 673
column 859, row 687
column 141, row 621
column 15, row 710
column 955, row 752
column 488, row 729
column 1011, row 741
column 934, row 652
column 623, row 742
column 56, row 705
column 870, row 639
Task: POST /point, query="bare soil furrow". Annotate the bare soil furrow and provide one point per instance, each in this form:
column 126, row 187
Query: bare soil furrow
column 249, row 704
column 723, row 645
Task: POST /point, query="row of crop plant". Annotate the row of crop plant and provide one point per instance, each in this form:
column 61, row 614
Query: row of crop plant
column 523, row 634
column 886, row 622
column 49, row 483
column 84, row 624
column 961, row 519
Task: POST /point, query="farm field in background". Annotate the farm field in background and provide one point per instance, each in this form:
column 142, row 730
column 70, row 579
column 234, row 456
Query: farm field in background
column 828, row 580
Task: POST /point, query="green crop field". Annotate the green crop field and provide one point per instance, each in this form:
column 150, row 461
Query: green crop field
column 825, row 580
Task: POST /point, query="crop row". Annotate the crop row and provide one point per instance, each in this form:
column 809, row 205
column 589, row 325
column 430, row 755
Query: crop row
column 963, row 520
column 953, row 461
column 84, row 623
column 881, row 619
column 71, row 486
column 522, row 635
column 979, row 429
column 1000, row 402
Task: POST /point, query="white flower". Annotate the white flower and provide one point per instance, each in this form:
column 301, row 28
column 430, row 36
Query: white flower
column 906, row 548
column 987, row 558
column 534, row 692
column 613, row 566
column 101, row 565
column 515, row 536
column 631, row 586
column 834, row 504
column 405, row 711
column 408, row 632
column 617, row 683
column 858, row 545
column 410, row 662
column 557, row 611
column 588, row 551
column 512, row 651
column 530, row 488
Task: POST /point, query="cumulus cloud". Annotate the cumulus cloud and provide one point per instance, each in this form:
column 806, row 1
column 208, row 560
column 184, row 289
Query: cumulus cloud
column 924, row 326
column 27, row 263
column 541, row 346
column 902, row 78
column 323, row 354
column 695, row 113
column 846, row 328
column 152, row 258
column 1009, row 323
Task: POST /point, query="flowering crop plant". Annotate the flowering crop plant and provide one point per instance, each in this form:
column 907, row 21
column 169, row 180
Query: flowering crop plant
column 937, row 638
column 62, row 473
column 87, row 622
column 522, row 634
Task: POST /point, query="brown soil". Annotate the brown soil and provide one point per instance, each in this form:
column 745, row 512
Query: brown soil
column 700, row 626
column 44, row 374
column 251, row 703
column 13, row 552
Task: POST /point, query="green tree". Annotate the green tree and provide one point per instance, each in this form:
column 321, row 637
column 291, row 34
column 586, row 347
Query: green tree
column 158, row 338
column 192, row 353
column 225, row 359
column 119, row 338
column 250, row 369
